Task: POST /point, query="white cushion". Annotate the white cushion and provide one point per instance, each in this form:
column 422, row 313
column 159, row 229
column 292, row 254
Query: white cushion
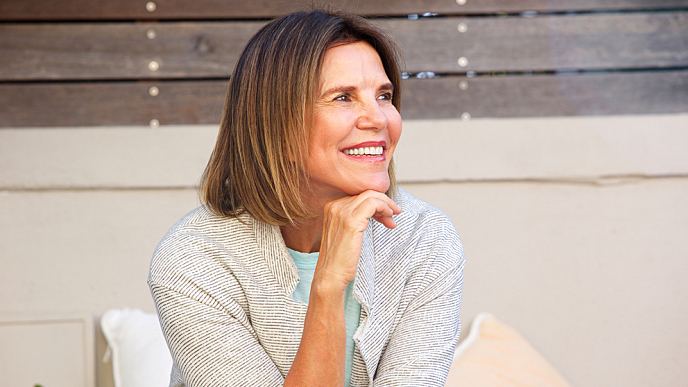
column 140, row 357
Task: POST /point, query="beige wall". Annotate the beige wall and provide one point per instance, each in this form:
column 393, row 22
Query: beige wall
column 574, row 228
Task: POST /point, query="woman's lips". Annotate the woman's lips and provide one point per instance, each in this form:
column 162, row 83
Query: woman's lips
column 367, row 151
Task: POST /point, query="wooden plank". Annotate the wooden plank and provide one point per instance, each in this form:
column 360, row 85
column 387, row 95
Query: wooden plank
column 201, row 102
column 589, row 94
column 111, row 103
column 121, row 50
column 591, row 41
column 24, row 10
column 209, row 49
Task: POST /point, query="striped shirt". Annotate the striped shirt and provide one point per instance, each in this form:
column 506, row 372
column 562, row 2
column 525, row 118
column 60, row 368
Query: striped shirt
column 223, row 290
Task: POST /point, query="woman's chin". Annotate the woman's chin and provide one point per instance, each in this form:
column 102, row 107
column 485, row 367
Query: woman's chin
column 378, row 186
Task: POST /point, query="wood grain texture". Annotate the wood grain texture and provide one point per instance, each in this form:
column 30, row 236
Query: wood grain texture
column 591, row 41
column 547, row 95
column 83, row 51
column 110, row 103
column 201, row 102
column 237, row 9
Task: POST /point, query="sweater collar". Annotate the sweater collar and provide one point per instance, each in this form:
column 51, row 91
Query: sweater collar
column 276, row 256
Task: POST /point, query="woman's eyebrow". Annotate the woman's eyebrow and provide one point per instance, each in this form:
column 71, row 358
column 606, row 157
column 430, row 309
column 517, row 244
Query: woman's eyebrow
column 387, row 86
column 340, row 89
column 350, row 89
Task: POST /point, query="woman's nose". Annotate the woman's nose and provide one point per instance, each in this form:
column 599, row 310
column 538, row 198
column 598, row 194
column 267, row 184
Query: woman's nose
column 372, row 116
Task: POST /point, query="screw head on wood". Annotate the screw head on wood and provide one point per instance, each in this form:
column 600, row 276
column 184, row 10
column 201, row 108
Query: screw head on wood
column 462, row 27
column 154, row 123
column 150, row 6
column 153, row 66
column 465, row 116
column 463, row 61
column 463, row 85
column 460, row 2
column 151, row 34
column 153, row 91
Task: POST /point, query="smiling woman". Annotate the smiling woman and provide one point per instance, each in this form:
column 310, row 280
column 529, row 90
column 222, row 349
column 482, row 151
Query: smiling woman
column 282, row 278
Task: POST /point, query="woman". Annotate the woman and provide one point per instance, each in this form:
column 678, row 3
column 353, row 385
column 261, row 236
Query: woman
column 281, row 278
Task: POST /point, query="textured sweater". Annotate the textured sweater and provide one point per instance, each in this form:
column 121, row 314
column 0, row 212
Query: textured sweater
column 223, row 291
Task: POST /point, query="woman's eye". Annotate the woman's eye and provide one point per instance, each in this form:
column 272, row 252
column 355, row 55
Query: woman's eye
column 385, row 96
column 343, row 97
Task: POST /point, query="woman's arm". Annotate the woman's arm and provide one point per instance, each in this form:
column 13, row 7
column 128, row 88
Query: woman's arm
column 320, row 358
column 321, row 355
column 208, row 348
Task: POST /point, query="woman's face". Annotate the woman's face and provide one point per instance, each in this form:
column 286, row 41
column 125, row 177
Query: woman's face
column 355, row 127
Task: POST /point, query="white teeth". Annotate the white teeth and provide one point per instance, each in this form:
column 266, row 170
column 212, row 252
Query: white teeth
column 372, row 151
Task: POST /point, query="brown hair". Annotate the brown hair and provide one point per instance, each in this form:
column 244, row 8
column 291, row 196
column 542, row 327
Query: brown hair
column 258, row 162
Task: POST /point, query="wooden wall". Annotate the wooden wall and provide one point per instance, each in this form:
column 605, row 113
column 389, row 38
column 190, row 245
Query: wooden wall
column 132, row 62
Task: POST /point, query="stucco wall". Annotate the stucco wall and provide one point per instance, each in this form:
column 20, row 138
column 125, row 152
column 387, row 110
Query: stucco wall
column 574, row 228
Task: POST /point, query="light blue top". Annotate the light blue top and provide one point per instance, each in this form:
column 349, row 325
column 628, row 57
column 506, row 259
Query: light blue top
column 306, row 262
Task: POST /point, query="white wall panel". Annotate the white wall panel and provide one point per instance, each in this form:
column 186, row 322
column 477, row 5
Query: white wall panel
column 55, row 351
column 104, row 157
column 580, row 148
column 74, row 250
column 437, row 150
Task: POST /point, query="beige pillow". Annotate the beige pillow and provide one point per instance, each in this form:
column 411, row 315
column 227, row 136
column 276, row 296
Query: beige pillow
column 495, row 355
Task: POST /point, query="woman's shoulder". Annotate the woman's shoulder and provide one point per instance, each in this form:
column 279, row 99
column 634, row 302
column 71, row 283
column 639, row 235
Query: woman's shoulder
column 419, row 226
column 202, row 218
column 203, row 222
column 424, row 243
column 198, row 235
column 416, row 213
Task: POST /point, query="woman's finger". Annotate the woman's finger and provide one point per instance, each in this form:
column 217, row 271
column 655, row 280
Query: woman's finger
column 376, row 208
column 377, row 195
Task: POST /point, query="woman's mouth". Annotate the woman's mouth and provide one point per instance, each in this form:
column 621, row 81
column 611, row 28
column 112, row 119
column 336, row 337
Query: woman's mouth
column 365, row 151
column 369, row 150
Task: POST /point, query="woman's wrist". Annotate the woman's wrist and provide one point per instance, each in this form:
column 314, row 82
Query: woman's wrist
column 328, row 289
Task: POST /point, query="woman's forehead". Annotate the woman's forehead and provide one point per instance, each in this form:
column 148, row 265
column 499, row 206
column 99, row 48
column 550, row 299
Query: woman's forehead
column 351, row 63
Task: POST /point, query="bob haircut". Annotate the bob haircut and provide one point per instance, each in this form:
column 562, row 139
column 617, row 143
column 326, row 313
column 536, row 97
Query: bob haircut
column 258, row 164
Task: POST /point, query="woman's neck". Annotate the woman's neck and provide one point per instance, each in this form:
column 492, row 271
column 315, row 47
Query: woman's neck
column 305, row 236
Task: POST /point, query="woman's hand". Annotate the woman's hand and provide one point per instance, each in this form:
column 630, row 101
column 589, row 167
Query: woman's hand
column 344, row 222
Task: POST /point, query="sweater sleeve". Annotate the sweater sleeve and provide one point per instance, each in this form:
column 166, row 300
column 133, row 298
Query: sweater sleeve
column 421, row 347
column 200, row 306
column 209, row 347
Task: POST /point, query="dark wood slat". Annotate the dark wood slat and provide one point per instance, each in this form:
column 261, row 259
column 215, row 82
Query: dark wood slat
column 592, row 41
column 661, row 92
column 210, row 49
column 129, row 103
column 233, row 9
column 121, row 50
column 110, row 103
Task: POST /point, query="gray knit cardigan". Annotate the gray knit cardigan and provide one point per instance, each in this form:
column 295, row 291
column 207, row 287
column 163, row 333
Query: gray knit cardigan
column 223, row 290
